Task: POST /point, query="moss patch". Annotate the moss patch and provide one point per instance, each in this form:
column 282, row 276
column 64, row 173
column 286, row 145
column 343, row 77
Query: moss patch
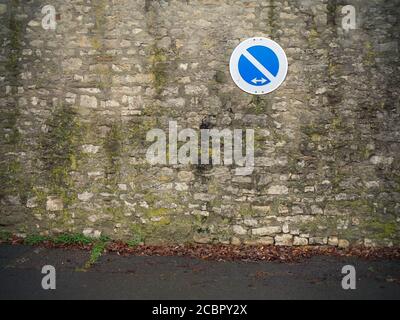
column 113, row 147
column 272, row 17
column 60, row 153
column 369, row 54
column 16, row 28
column 381, row 228
column 158, row 60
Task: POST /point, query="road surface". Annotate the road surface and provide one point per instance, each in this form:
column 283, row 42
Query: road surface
column 117, row 277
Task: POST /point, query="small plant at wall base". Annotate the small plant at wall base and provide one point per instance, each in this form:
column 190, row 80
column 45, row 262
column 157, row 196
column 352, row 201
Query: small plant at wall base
column 5, row 236
column 135, row 241
column 71, row 239
column 35, row 239
column 96, row 252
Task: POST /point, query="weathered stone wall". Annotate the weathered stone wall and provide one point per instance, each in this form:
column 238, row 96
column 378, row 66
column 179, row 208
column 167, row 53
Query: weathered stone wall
column 77, row 102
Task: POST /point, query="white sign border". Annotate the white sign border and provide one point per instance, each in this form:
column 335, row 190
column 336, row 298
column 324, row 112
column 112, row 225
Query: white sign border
column 273, row 85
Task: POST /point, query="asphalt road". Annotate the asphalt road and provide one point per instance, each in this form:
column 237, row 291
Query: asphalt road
column 116, row 277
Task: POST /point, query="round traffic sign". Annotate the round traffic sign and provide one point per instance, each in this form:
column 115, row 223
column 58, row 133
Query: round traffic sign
column 258, row 65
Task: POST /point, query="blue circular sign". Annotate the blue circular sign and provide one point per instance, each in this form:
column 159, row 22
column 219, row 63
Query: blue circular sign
column 258, row 66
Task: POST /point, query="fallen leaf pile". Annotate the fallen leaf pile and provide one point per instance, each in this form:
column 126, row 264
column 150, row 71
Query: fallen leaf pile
column 220, row 252
column 254, row 253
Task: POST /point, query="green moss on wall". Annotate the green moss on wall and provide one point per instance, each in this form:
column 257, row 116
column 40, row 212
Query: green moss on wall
column 320, row 226
column 113, row 148
column 272, row 17
column 156, row 212
column 59, row 152
column 369, row 54
column 12, row 178
column 9, row 120
column 168, row 230
column 137, row 131
column 158, row 60
column 381, row 228
column 16, row 33
column 260, row 105
column 331, row 12
column 99, row 7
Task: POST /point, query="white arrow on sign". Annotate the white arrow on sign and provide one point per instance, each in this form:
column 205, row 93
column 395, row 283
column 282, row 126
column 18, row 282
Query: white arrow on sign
column 262, row 81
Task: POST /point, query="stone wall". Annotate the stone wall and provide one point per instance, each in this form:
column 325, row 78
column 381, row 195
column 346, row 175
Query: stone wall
column 77, row 102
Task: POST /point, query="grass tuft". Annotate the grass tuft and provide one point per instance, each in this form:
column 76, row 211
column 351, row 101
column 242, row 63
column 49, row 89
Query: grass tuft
column 35, row 239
